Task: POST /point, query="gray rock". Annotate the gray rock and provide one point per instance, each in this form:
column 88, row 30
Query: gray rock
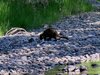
column 83, row 68
column 59, row 74
column 94, row 65
column 71, row 68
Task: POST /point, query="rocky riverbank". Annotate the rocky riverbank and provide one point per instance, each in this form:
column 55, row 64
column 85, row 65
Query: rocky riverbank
column 23, row 54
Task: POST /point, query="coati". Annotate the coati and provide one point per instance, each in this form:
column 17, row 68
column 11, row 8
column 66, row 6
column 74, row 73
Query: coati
column 15, row 30
column 50, row 33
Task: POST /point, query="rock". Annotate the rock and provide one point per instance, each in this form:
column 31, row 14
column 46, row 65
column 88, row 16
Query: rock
column 61, row 63
column 93, row 57
column 30, row 40
column 71, row 68
column 26, row 74
column 77, row 62
column 94, row 65
column 84, row 74
column 64, row 69
column 24, row 58
column 83, row 58
column 71, row 63
column 87, row 57
column 82, row 68
column 59, row 74
column 77, row 71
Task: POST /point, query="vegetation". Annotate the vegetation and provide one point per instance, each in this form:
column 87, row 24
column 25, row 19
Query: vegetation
column 91, row 71
column 34, row 13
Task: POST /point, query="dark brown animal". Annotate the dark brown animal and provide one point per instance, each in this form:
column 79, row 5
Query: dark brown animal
column 50, row 33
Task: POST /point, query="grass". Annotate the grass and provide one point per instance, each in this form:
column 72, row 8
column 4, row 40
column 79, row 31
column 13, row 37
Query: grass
column 91, row 71
column 55, row 70
column 4, row 10
column 18, row 13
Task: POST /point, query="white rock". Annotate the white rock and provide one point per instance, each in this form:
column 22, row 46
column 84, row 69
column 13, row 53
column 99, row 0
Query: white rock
column 24, row 58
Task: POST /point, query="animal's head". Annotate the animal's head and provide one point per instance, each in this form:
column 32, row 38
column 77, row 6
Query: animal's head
column 41, row 36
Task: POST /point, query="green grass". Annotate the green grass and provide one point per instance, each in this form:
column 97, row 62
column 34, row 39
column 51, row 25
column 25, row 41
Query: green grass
column 18, row 13
column 91, row 70
column 55, row 70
